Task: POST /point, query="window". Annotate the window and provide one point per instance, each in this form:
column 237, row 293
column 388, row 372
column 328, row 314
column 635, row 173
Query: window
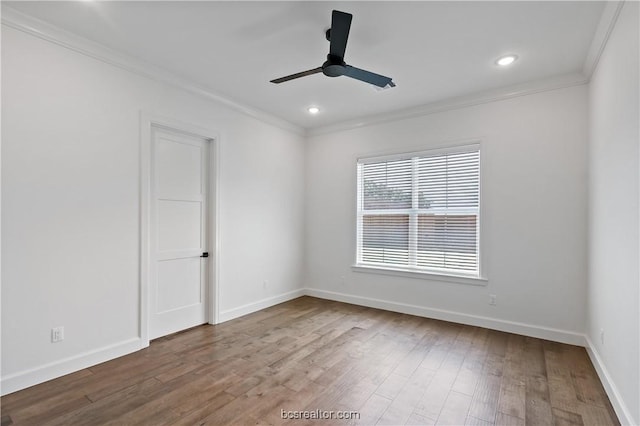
column 420, row 211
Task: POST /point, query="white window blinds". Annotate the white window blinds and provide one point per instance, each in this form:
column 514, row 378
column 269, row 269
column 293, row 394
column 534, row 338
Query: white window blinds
column 420, row 211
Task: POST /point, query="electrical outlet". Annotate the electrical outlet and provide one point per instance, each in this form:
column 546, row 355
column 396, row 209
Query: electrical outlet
column 57, row 334
column 602, row 336
column 342, row 280
column 492, row 299
column 265, row 283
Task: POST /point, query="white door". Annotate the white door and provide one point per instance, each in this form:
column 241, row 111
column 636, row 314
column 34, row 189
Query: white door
column 178, row 234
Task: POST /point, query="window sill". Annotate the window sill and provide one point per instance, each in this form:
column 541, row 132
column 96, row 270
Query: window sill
column 458, row 279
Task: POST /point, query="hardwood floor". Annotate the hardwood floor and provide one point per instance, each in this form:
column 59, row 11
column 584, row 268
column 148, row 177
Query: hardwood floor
column 311, row 354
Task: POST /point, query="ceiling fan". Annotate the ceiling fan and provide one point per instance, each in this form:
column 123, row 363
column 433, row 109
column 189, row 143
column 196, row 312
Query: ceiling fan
column 335, row 66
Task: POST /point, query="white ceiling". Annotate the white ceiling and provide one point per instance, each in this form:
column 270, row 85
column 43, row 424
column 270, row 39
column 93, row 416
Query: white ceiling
column 433, row 50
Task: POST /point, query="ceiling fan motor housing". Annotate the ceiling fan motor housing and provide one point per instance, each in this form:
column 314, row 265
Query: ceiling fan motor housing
column 334, row 66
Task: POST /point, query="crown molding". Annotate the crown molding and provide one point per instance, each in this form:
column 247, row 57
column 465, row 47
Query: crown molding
column 606, row 24
column 529, row 88
column 603, row 32
column 45, row 31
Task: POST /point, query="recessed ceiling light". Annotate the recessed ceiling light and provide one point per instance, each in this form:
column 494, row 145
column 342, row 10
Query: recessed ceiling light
column 506, row 60
column 313, row 110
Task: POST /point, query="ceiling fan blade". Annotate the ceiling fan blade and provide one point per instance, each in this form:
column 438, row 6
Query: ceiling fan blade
column 368, row 77
column 340, row 25
column 297, row 75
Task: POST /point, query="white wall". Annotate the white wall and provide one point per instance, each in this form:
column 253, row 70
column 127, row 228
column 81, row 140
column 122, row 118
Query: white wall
column 614, row 214
column 534, row 200
column 70, row 192
column 70, row 197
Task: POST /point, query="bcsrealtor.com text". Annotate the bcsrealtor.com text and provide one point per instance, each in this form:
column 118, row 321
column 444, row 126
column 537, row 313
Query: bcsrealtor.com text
column 318, row 415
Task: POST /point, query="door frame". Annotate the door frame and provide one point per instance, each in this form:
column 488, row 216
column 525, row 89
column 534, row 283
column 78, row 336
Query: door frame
column 147, row 122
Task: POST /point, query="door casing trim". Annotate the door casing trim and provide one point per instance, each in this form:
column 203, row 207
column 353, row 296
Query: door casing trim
column 147, row 121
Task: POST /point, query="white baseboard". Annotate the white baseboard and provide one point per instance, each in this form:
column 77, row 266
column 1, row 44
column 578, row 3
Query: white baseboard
column 24, row 379
column 260, row 304
column 621, row 409
column 562, row 336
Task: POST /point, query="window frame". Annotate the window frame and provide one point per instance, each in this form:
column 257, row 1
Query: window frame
column 474, row 278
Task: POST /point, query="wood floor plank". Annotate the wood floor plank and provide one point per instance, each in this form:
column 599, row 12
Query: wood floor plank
column 564, row 418
column 484, row 404
column 205, row 396
column 411, row 361
column 359, row 393
column 104, row 384
column 512, row 400
column 392, row 386
column 373, row 409
column 538, row 407
column 407, row 400
column 23, row 398
column 593, row 415
column 589, row 390
column 44, row 410
column 196, row 416
column 416, row 420
column 455, row 409
column 310, row 354
column 466, row 381
column 109, row 407
column 562, row 392
column 435, row 396
column 472, row 421
column 178, row 371
column 167, row 400
column 393, row 415
column 503, row 419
